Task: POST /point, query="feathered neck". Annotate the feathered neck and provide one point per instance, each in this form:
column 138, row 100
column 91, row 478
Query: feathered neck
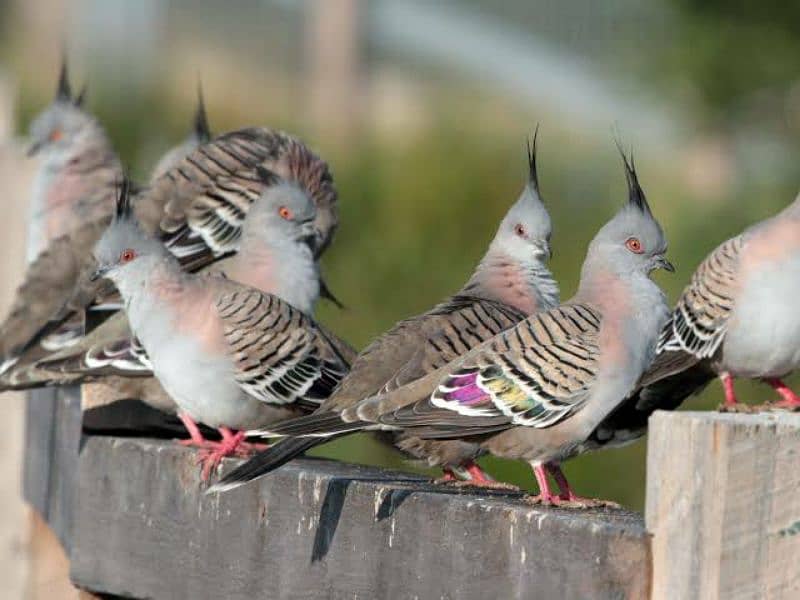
column 528, row 287
column 283, row 267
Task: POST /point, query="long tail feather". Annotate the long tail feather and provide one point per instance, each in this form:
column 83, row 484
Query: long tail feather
column 265, row 462
column 314, row 425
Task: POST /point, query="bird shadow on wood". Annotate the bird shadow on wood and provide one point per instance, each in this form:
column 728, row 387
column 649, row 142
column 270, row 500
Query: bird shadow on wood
column 391, row 503
column 329, row 516
column 336, row 494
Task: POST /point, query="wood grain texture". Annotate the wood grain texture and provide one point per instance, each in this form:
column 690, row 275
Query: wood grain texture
column 723, row 505
column 320, row 529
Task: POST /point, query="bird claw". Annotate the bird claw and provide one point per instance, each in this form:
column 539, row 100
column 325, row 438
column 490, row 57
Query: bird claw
column 204, row 444
column 576, row 502
column 739, row 407
column 212, row 453
column 471, row 483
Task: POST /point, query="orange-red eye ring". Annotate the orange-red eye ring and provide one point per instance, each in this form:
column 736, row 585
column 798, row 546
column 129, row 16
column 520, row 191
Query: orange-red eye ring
column 285, row 213
column 55, row 135
column 127, row 255
column 634, row 245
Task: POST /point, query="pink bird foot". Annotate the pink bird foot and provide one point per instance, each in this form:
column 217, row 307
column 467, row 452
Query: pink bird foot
column 471, row 475
column 569, row 498
column 545, row 495
column 196, row 439
column 790, row 400
column 731, row 404
column 230, row 445
column 211, row 453
column 448, row 476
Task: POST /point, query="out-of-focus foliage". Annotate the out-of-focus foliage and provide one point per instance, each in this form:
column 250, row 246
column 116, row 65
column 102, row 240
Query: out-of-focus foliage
column 741, row 56
column 418, row 209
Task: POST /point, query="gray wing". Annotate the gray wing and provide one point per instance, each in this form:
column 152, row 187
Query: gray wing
column 208, row 194
column 417, row 346
column 536, row 374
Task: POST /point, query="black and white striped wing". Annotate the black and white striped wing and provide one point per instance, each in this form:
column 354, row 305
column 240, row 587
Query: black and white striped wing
column 536, row 374
column 279, row 354
column 699, row 322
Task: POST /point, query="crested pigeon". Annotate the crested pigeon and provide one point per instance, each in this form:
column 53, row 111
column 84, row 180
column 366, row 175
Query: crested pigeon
column 229, row 355
column 64, row 129
column 274, row 258
column 737, row 317
column 537, row 390
column 197, row 207
column 79, row 168
column 511, row 282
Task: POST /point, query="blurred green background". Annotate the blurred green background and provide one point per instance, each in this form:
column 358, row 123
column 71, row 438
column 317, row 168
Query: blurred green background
column 423, row 109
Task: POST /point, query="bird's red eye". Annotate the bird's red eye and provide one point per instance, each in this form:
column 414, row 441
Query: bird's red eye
column 519, row 230
column 127, row 256
column 285, row 213
column 634, row 245
column 55, row 135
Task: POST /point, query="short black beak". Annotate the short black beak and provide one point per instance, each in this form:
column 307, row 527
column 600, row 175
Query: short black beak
column 99, row 273
column 663, row 263
column 33, row 148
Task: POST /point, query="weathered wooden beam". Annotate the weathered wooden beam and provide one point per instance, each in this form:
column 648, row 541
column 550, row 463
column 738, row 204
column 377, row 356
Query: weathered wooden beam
column 52, row 442
column 723, row 505
column 320, row 529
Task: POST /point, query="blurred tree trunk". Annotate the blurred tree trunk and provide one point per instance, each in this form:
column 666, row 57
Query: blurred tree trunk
column 333, row 55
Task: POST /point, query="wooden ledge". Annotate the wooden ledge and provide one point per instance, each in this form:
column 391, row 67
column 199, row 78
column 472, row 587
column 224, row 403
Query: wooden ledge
column 143, row 528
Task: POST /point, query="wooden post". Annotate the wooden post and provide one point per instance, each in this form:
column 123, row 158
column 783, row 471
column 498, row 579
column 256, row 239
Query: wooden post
column 320, row 529
column 334, row 77
column 723, row 505
column 16, row 173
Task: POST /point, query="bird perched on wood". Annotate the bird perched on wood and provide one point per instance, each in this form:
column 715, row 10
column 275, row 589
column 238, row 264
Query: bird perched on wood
column 737, row 317
column 53, row 273
column 79, row 168
column 275, row 257
column 538, row 390
column 511, row 282
column 230, row 355
column 197, row 207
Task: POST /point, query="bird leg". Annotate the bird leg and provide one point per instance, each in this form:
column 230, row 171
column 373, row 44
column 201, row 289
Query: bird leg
column 569, row 497
column 790, row 399
column 448, row 476
column 566, row 491
column 546, row 495
column 470, row 474
column 731, row 403
column 232, row 444
column 196, row 438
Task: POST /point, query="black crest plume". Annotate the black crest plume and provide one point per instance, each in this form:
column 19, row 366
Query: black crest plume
column 81, row 97
column 63, row 91
column 201, row 128
column 636, row 195
column 124, row 206
column 533, row 176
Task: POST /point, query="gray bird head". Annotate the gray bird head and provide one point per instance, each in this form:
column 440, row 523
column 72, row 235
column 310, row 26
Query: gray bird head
column 199, row 135
column 283, row 214
column 633, row 241
column 63, row 124
column 125, row 249
column 524, row 233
